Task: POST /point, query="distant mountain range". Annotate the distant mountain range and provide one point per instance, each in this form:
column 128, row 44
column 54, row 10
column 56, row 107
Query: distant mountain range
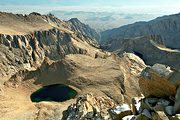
column 103, row 20
column 168, row 27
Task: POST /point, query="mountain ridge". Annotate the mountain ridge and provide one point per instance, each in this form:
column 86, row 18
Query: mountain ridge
column 149, row 48
column 167, row 26
column 51, row 38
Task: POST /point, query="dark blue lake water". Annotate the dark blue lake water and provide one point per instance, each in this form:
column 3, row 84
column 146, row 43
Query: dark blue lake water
column 57, row 93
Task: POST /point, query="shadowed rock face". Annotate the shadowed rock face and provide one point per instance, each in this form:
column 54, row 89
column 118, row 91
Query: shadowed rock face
column 148, row 40
column 150, row 48
column 167, row 26
column 26, row 40
column 29, row 50
column 76, row 25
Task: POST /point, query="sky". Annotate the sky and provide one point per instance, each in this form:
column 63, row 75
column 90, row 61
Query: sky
column 128, row 6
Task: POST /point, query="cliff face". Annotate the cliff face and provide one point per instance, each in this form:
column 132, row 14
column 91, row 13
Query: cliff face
column 26, row 40
column 167, row 26
column 149, row 48
column 79, row 27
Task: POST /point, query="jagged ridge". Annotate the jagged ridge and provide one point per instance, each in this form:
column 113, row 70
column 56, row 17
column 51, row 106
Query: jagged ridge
column 167, row 26
column 42, row 36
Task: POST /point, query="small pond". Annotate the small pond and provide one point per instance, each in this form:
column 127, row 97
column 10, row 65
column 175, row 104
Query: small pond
column 56, row 93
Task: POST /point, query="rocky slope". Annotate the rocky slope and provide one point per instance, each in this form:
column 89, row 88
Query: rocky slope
column 26, row 40
column 160, row 87
column 113, row 77
column 76, row 71
column 167, row 26
column 151, row 49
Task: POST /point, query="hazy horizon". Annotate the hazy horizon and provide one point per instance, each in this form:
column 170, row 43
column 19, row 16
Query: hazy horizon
column 116, row 12
column 159, row 7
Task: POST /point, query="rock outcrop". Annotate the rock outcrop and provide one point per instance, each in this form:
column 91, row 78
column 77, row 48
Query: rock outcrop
column 159, row 81
column 162, row 82
column 120, row 111
column 167, row 26
column 98, row 108
column 89, row 107
column 102, row 108
column 177, row 101
column 153, row 109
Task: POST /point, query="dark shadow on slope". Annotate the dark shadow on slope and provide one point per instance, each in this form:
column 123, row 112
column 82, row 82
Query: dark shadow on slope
column 139, row 55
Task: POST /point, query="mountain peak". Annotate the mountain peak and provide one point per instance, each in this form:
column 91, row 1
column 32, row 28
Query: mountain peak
column 77, row 25
column 35, row 13
column 74, row 20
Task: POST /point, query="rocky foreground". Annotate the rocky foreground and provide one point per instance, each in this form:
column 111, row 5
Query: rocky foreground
column 160, row 86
